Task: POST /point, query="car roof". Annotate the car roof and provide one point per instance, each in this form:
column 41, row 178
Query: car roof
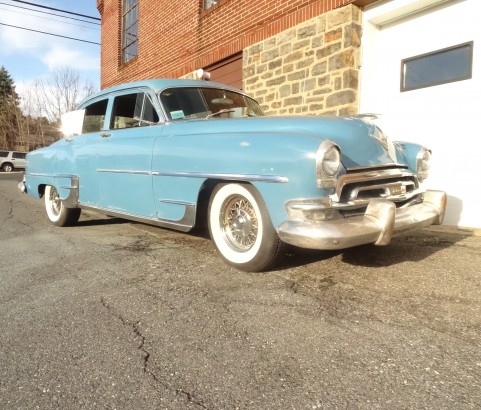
column 159, row 84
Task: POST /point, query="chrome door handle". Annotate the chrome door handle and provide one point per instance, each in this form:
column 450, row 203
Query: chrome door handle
column 106, row 135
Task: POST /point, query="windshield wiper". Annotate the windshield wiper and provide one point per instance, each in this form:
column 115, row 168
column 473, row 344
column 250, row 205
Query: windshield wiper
column 225, row 110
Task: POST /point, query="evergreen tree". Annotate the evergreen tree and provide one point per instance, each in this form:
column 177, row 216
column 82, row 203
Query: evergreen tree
column 10, row 113
column 7, row 86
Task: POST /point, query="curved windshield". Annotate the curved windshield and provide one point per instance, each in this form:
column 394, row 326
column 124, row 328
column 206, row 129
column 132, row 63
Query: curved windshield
column 197, row 102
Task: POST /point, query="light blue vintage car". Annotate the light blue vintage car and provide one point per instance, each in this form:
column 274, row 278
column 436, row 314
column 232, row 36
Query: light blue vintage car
column 180, row 153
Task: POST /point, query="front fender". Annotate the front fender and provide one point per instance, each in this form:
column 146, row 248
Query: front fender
column 280, row 166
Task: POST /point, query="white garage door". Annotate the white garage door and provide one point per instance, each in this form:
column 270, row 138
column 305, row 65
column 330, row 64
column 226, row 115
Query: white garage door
column 445, row 117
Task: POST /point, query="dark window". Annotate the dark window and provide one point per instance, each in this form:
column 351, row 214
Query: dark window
column 439, row 67
column 94, row 116
column 18, row 155
column 3, row 154
column 130, row 18
column 133, row 110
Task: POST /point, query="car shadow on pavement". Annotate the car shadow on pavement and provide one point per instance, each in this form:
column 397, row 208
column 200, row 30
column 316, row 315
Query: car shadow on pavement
column 102, row 221
column 414, row 247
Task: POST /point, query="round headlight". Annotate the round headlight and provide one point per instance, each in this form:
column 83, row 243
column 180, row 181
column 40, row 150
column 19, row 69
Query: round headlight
column 331, row 161
column 425, row 160
column 423, row 163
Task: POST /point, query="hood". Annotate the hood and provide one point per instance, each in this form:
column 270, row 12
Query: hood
column 362, row 143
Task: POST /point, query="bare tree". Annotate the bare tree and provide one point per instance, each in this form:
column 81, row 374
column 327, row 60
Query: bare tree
column 45, row 101
column 61, row 92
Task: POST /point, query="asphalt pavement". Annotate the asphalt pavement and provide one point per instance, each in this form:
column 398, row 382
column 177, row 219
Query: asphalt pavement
column 111, row 314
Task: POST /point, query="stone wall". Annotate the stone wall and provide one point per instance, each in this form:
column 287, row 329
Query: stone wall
column 312, row 68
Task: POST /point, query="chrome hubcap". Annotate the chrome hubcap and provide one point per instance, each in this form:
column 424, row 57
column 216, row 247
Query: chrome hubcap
column 55, row 201
column 240, row 223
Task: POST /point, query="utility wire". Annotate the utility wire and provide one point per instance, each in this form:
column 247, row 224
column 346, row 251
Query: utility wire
column 50, row 34
column 46, row 12
column 54, row 9
column 51, row 19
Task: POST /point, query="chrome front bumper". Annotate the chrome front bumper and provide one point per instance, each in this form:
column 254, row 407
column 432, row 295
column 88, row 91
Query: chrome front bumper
column 378, row 225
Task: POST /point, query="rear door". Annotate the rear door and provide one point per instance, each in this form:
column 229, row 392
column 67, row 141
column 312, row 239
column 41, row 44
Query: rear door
column 18, row 159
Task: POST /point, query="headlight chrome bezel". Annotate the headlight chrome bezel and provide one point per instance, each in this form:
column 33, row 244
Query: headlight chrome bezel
column 328, row 164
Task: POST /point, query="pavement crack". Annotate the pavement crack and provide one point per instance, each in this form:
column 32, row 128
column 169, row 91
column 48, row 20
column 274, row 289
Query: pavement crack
column 10, row 212
column 141, row 340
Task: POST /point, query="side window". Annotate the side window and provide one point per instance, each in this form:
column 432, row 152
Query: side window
column 133, row 110
column 18, row 155
column 3, row 154
column 94, row 116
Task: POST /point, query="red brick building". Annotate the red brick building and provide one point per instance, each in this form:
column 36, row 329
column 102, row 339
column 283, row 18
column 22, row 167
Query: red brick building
column 231, row 39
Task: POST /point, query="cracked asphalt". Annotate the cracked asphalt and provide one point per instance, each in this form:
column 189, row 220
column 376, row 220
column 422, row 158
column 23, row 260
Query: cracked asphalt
column 111, row 314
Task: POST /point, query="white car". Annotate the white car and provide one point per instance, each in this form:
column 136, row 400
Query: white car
column 12, row 160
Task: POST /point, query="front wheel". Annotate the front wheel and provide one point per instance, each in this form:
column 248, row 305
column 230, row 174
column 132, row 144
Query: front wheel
column 57, row 212
column 241, row 229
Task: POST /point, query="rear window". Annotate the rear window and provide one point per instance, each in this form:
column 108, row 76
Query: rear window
column 95, row 116
column 3, row 154
column 19, row 155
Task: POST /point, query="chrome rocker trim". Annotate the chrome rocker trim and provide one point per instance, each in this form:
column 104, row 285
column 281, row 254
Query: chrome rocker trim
column 380, row 222
column 185, row 224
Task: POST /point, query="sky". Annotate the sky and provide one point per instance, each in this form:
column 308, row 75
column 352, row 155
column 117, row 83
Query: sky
column 29, row 55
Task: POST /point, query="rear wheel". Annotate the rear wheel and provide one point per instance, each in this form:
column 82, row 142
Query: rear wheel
column 57, row 212
column 241, row 228
column 7, row 167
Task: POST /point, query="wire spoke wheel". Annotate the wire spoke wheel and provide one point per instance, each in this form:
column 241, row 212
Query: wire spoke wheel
column 241, row 228
column 240, row 224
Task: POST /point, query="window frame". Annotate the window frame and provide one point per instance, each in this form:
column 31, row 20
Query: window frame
column 125, row 55
column 406, row 61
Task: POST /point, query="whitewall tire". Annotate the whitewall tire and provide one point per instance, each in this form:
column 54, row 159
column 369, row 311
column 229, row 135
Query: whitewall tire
column 57, row 212
column 241, row 228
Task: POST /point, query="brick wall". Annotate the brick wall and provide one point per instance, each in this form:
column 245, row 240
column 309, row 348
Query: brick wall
column 177, row 37
column 311, row 68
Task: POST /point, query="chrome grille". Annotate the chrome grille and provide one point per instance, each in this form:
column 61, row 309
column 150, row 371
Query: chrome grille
column 396, row 185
